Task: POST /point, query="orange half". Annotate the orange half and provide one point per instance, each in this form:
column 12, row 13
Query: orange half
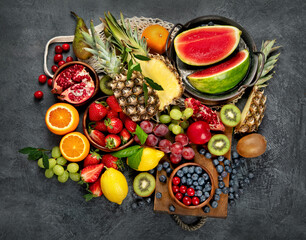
column 62, row 118
column 74, row 147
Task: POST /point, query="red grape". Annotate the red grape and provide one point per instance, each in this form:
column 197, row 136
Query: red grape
column 179, row 196
column 182, row 138
column 188, row 153
column 195, row 201
column 147, row 126
column 175, row 159
column 66, row 47
column 152, row 140
column 176, row 181
column 42, row 78
column 175, row 189
column 58, row 49
column 58, row 57
column 165, row 145
column 187, row 201
column 136, row 139
column 160, row 130
column 176, row 148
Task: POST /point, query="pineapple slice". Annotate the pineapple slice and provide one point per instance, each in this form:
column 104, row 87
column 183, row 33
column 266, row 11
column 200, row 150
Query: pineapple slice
column 162, row 72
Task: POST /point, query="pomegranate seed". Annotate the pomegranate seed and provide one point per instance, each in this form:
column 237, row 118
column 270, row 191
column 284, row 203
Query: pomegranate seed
column 60, row 63
column 42, row 78
column 50, row 82
column 58, row 49
column 58, row 57
column 69, row 59
column 54, row 68
column 66, row 47
column 38, row 94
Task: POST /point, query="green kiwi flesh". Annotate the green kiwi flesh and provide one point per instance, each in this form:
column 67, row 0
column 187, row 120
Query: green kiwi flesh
column 144, row 184
column 219, row 144
column 230, row 115
column 104, row 85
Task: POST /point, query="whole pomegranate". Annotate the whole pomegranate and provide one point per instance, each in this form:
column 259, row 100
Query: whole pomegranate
column 199, row 132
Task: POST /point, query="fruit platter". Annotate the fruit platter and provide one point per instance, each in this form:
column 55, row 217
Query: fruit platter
column 158, row 100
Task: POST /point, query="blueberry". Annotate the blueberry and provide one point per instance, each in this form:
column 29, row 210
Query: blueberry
column 202, row 151
column 227, row 162
column 136, row 196
column 220, row 168
column 218, row 191
column 206, row 209
column 205, row 176
column 192, row 186
column 166, row 165
column 208, row 155
column 134, row 205
column 188, row 175
column 234, row 171
column 183, row 180
column 189, row 181
column 228, row 169
column 152, row 171
column 198, row 193
column 251, row 175
column 198, row 170
column 169, row 171
column 232, row 202
column 159, row 167
column 242, row 160
column 221, row 158
column 202, row 198
column 224, row 174
column 180, row 173
column 206, row 194
column 185, row 170
column 236, row 195
column 231, row 190
column 241, row 184
column 158, row 195
column 221, row 184
column 141, row 203
column 201, row 181
column 217, row 197
column 231, row 196
column 240, row 191
column 199, row 188
column 162, row 178
column 195, row 177
column 235, row 155
column 233, row 176
column 214, row 204
column 225, row 190
column 216, row 162
column 231, row 183
column 207, row 188
column 191, row 170
column 247, row 180
column 220, row 178
column 171, row 208
column 236, row 162
column 148, row 200
column 195, row 183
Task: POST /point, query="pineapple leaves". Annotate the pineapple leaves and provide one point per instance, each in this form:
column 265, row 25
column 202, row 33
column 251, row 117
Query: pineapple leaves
column 153, row 84
column 145, row 92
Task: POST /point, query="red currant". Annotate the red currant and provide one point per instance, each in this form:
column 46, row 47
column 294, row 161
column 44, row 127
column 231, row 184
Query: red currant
column 195, row 201
column 183, row 189
column 69, row 59
column 66, row 47
column 187, row 200
column 179, row 196
column 42, row 78
column 176, row 180
column 54, row 68
column 58, row 57
column 175, row 189
column 60, row 63
column 50, row 82
column 190, row 192
column 38, row 94
column 58, row 49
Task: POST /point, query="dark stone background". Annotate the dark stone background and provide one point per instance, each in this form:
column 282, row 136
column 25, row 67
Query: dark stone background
column 33, row 207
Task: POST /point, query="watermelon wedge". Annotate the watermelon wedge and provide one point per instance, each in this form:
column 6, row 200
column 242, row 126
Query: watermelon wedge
column 222, row 77
column 206, row 45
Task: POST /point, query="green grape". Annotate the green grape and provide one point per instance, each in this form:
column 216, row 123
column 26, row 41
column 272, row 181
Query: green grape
column 165, row 118
column 52, row 162
column 56, row 152
column 175, row 114
column 49, row 173
column 171, row 126
column 61, row 161
column 75, row 176
column 73, row 167
column 175, row 107
column 182, row 130
column 188, row 112
column 64, row 177
column 176, row 122
column 176, row 129
column 58, row 170
column 185, row 124
column 40, row 163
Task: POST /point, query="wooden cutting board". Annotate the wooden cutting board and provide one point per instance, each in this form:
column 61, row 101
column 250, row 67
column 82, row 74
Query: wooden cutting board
column 162, row 204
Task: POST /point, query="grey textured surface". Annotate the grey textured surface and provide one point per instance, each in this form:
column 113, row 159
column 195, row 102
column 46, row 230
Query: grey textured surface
column 33, row 207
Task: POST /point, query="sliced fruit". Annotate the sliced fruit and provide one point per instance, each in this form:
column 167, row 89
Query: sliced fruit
column 91, row 173
column 95, row 188
column 156, row 37
column 62, row 118
column 219, row 144
column 252, row 145
column 222, row 77
column 105, row 85
column 92, row 159
column 144, row 184
column 230, row 115
column 74, row 147
column 206, row 45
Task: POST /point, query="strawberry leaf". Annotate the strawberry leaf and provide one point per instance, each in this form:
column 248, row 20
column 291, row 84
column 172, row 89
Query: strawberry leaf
column 141, row 134
column 127, row 152
column 134, row 160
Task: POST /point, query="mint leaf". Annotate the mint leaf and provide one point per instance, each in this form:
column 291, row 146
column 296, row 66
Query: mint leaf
column 145, row 93
column 134, row 160
column 141, row 134
column 35, row 155
column 127, row 152
column 27, row 150
column 88, row 197
column 45, row 160
column 153, row 84
column 142, row 58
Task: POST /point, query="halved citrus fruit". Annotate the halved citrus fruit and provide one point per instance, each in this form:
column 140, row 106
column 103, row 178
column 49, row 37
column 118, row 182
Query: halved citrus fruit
column 156, row 37
column 62, row 118
column 74, row 147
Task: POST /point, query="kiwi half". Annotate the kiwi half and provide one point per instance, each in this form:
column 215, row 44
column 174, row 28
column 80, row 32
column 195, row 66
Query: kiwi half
column 144, row 184
column 105, row 85
column 230, row 115
column 219, row 144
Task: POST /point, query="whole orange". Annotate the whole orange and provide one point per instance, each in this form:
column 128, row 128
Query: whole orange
column 156, row 37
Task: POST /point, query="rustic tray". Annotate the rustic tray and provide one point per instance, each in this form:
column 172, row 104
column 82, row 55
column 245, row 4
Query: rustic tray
column 162, row 204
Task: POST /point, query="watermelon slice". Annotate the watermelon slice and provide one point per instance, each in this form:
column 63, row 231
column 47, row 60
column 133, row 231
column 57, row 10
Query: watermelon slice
column 222, row 77
column 207, row 45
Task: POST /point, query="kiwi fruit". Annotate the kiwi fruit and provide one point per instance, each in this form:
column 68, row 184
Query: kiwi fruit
column 105, row 85
column 219, row 144
column 230, row 115
column 252, row 145
column 144, row 184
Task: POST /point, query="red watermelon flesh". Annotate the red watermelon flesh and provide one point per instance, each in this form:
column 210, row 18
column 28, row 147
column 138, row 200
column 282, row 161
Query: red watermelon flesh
column 207, row 45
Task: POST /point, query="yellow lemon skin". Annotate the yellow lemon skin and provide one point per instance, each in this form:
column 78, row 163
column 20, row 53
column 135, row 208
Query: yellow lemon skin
column 114, row 185
column 149, row 159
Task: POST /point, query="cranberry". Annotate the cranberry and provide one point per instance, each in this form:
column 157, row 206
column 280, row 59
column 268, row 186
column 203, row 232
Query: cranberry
column 183, row 189
column 175, row 159
column 50, row 82
column 54, row 68
column 190, row 192
column 66, row 47
column 38, row 94
column 58, row 57
column 175, row 189
column 187, row 200
column 69, row 59
column 58, row 49
column 60, row 63
column 42, row 78
column 195, row 201
column 176, row 180
column 179, row 196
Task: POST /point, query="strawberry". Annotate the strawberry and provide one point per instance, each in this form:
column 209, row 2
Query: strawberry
column 110, row 161
column 114, row 125
column 112, row 141
column 125, row 136
column 113, row 104
column 100, row 126
column 95, row 188
column 92, row 159
column 122, row 116
column 97, row 111
column 130, row 125
column 97, row 137
column 112, row 114
column 91, row 173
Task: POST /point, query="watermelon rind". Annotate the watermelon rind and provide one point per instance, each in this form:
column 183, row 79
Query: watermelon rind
column 223, row 80
column 190, row 56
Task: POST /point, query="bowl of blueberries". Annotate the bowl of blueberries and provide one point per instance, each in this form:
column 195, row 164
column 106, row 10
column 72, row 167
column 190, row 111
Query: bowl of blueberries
column 191, row 186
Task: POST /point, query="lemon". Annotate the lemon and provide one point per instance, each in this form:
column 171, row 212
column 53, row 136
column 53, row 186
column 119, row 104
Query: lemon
column 114, row 185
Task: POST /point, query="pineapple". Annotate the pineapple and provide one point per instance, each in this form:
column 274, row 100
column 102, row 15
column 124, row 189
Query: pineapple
column 253, row 111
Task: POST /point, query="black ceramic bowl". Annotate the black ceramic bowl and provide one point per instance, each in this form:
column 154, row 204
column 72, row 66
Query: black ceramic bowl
column 246, row 42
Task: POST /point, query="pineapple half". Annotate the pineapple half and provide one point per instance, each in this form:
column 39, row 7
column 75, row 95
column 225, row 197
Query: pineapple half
column 253, row 111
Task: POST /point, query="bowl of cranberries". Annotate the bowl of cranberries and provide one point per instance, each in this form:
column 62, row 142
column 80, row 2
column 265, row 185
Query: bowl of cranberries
column 106, row 126
column 75, row 82
column 191, row 186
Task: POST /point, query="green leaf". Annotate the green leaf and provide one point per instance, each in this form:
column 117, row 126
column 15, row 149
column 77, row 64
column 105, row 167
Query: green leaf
column 88, row 197
column 145, row 92
column 27, row 150
column 45, row 160
column 142, row 58
column 127, row 152
column 130, row 70
column 153, row 84
column 141, row 134
column 134, row 160
column 34, row 155
column 136, row 67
